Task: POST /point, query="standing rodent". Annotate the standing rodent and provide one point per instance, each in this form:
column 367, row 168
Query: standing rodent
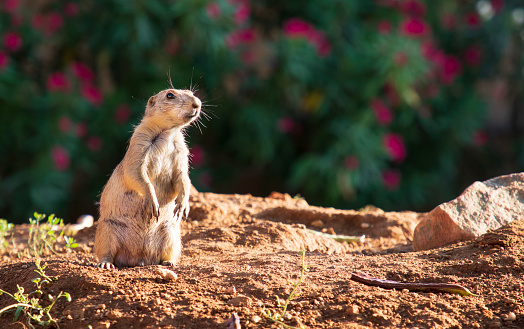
column 148, row 192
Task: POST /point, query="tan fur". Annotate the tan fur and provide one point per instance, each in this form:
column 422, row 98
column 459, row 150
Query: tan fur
column 148, row 192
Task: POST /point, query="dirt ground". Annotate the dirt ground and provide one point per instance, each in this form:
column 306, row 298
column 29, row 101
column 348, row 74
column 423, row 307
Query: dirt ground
column 240, row 252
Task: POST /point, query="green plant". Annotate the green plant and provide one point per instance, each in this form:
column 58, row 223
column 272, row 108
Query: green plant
column 278, row 317
column 4, row 228
column 70, row 242
column 43, row 234
column 32, row 304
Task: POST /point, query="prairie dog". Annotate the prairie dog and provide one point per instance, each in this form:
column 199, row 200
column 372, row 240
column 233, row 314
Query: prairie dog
column 148, row 192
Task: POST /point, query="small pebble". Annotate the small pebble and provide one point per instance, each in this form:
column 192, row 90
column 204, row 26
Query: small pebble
column 510, row 317
column 231, row 290
column 256, row 319
column 166, row 274
column 352, row 309
column 365, row 225
column 317, row 223
column 100, row 307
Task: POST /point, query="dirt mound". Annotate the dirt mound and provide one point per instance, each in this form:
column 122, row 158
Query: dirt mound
column 240, row 253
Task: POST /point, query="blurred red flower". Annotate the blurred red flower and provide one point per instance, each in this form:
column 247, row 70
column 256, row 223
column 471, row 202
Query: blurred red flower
column 480, row 138
column 394, row 145
column 122, row 114
column 81, row 129
column 57, row 81
column 11, row 5
column 473, row 55
column 414, row 27
column 83, row 72
column 286, row 125
column 213, row 10
column 94, row 143
column 295, row 27
column 382, row 112
column 60, row 158
column 384, row 27
column 240, row 36
column 497, row 5
column 351, row 162
column 450, row 69
column 92, row 95
column 413, row 8
column 197, row 155
column 4, row 60
column 391, row 179
column 473, row 19
column 54, row 22
column 242, row 13
column 12, row 41
column 71, row 9
column 65, row 124
column 448, row 21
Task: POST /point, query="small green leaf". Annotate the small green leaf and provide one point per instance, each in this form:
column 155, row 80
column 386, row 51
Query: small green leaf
column 17, row 313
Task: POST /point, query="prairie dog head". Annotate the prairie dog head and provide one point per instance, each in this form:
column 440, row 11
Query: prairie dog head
column 173, row 108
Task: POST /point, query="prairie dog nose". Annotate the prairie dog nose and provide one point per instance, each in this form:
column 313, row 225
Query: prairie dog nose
column 196, row 103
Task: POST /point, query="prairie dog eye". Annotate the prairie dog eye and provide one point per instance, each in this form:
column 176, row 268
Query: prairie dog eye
column 170, row 96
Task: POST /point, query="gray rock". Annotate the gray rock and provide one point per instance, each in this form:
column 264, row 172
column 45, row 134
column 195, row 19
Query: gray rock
column 481, row 207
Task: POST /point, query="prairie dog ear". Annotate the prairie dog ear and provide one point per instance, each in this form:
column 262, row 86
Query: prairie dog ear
column 151, row 101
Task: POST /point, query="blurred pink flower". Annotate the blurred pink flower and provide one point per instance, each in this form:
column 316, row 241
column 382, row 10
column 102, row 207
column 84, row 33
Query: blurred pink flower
column 413, row 8
column 81, row 129
column 400, row 58
column 94, row 143
column 12, row 41
column 122, row 113
column 240, row 36
column 38, row 21
column 71, row 9
column 351, row 162
column 213, row 10
column 4, row 60
column 57, row 81
column 480, row 138
column 382, row 112
column 65, row 124
column 391, row 179
column 197, row 155
column 83, row 72
column 60, row 158
column 473, row 19
column 321, row 43
column 286, row 125
column 384, row 27
column 414, row 27
column 11, row 5
column 473, row 55
column 295, row 27
column 242, row 13
column 391, row 94
column 54, row 22
column 92, row 95
column 17, row 20
column 450, row 69
column 394, row 145
column 497, row 5
column 428, row 50
column 448, row 21
column 204, row 179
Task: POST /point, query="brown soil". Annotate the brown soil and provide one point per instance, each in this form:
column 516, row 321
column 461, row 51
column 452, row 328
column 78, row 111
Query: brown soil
column 251, row 244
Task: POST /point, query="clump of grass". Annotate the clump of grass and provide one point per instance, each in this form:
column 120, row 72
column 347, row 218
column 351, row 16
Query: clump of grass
column 43, row 235
column 4, row 228
column 31, row 304
column 278, row 317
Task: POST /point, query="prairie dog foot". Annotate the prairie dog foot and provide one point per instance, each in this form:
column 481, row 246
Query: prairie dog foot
column 106, row 264
column 167, row 263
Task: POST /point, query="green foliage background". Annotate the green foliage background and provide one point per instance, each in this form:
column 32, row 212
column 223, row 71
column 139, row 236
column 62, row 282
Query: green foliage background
column 304, row 96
